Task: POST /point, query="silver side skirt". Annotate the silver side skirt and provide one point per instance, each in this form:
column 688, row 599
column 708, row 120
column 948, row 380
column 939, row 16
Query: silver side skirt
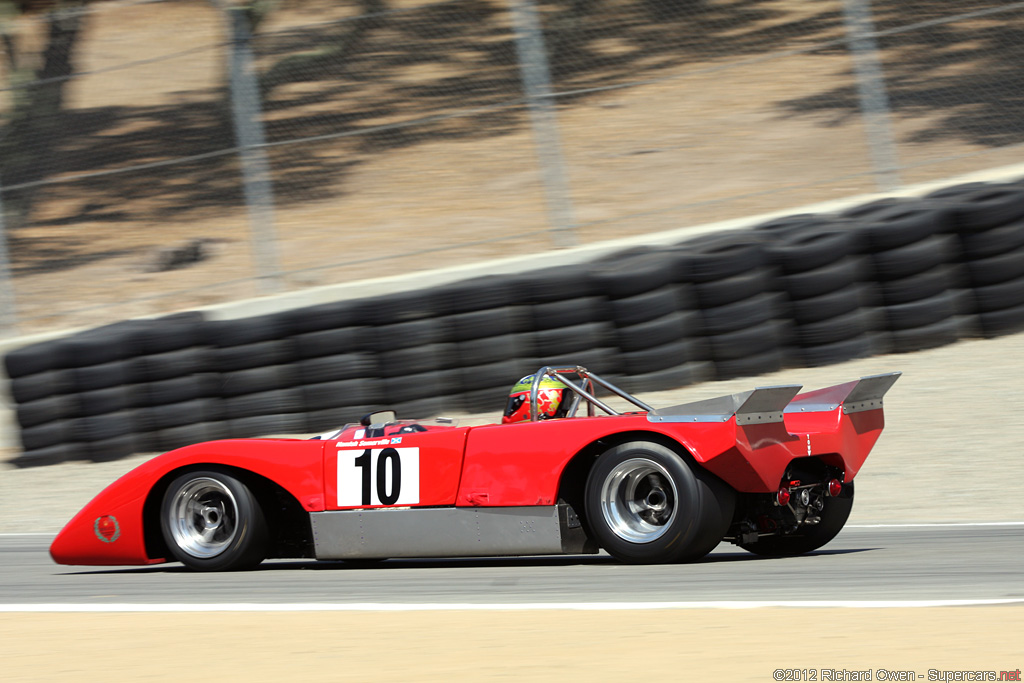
column 448, row 532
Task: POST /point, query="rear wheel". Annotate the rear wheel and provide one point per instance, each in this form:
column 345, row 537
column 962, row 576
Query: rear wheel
column 645, row 504
column 211, row 521
column 809, row 537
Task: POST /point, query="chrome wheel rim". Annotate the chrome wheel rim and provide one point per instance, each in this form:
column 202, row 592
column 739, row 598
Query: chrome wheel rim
column 204, row 518
column 639, row 500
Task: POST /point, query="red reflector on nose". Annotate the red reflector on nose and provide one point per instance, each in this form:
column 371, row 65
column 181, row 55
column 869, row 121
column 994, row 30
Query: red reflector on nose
column 782, row 497
column 835, row 487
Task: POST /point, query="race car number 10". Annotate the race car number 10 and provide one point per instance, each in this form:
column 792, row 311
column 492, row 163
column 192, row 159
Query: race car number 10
column 378, row 476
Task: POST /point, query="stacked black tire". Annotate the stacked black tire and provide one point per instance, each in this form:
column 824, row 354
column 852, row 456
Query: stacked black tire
column 174, row 385
column 989, row 224
column 911, row 259
column 819, row 272
column 111, row 391
column 657, row 326
column 335, row 370
column 742, row 316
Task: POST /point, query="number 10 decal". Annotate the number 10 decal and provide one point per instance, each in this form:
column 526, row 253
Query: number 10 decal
column 378, row 476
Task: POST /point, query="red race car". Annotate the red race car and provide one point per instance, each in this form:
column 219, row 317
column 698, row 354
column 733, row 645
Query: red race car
column 770, row 470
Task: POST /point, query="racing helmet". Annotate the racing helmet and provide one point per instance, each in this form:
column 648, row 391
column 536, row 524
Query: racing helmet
column 551, row 400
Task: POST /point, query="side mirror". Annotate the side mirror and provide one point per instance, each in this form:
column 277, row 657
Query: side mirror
column 378, row 419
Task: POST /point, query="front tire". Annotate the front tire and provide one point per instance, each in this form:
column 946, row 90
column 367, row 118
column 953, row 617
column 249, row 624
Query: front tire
column 805, row 539
column 645, row 504
column 211, row 521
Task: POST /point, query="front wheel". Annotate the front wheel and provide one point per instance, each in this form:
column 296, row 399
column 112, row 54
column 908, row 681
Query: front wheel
column 807, row 538
column 211, row 521
column 645, row 504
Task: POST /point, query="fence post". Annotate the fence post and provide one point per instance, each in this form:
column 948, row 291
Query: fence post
column 874, row 103
column 533, row 65
column 8, row 310
column 258, row 190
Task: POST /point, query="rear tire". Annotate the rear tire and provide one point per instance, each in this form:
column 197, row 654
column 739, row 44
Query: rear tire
column 211, row 521
column 646, row 504
column 804, row 540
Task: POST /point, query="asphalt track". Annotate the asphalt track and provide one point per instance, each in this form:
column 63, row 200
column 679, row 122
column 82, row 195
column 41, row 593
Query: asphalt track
column 868, row 564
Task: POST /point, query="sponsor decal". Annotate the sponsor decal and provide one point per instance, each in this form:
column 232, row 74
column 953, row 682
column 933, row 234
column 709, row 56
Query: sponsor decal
column 107, row 529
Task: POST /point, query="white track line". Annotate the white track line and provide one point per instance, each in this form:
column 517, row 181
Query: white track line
column 503, row 607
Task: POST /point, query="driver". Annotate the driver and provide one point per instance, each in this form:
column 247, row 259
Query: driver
column 552, row 400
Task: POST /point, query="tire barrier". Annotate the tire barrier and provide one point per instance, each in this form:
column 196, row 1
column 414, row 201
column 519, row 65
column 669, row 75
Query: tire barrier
column 892, row 275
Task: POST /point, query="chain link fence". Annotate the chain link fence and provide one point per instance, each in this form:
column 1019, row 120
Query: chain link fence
column 156, row 156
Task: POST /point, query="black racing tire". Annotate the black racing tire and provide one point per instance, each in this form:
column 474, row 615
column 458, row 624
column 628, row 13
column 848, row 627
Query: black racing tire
column 251, row 405
column 332, row 342
column 779, row 229
column 659, row 358
column 981, row 206
column 552, row 314
column 494, row 349
column 42, row 385
column 557, row 283
column 835, row 352
column 649, row 306
column 657, row 332
column 1005, row 321
column 732, row 289
column 212, row 521
column 922, row 285
column 997, row 297
column 929, row 336
column 893, row 223
column 817, row 308
column 337, row 367
column 344, row 392
column 749, row 341
column 804, row 540
column 720, row 255
column 477, row 294
column 241, row 331
column 36, row 358
column 47, row 410
column 803, row 250
column 490, row 322
column 994, row 270
column 326, row 316
column 680, row 375
column 417, row 359
column 920, row 313
column 999, row 240
column 175, row 390
column 107, row 375
column 842, row 273
column 742, row 314
column 392, row 309
column 751, row 366
column 230, row 358
column 408, row 335
column 576, row 339
column 846, row 326
column 646, row 504
column 255, row 380
column 915, row 258
column 623, row 275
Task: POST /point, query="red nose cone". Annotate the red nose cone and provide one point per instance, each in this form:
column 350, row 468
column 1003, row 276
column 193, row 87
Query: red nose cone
column 835, row 487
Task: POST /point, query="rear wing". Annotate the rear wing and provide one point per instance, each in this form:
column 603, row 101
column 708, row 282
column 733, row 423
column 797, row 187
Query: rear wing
column 766, row 405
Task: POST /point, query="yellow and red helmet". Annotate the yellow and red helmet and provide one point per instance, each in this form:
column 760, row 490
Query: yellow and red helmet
column 551, row 400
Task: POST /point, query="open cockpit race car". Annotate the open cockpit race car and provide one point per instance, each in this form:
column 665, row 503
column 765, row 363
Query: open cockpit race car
column 771, row 470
